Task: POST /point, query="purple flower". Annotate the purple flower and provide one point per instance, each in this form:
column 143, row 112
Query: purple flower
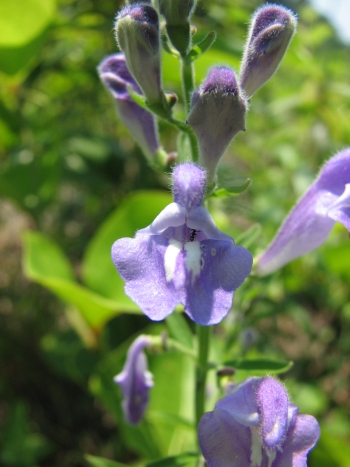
column 115, row 75
column 270, row 32
column 312, row 218
column 137, row 32
column 182, row 257
column 135, row 381
column 257, row 426
column 217, row 114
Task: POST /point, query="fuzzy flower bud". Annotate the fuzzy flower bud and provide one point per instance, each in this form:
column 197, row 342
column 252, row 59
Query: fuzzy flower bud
column 142, row 125
column 217, row 114
column 177, row 14
column 271, row 30
column 135, row 381
column 137, row 33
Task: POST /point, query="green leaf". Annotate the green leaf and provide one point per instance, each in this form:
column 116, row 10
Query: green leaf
column 199, row 49
column 136, row 211
column 137, row 98
column 43, row 262
column 175, row 461
column 101, row 462
column 22, row 21
column 44, row 258
column 231, row 190
column 260, row 365
column 250, row 236
column 179, row 329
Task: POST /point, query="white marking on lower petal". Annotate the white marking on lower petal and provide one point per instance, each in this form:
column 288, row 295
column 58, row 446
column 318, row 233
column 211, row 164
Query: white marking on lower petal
column 213, row 251
column 256, row 448
column 193, row 260
column 170, row 258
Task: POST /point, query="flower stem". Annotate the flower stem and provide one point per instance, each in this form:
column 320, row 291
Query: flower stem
column 187, row 76
column 203, row 333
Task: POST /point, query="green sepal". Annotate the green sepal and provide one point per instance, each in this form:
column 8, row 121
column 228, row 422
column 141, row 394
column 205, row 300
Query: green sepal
column 201, row 47
column 231, row 190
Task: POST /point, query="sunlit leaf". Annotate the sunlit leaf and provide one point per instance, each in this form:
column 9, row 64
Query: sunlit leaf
column 22, row 20
column 200, row 48
column 175, row 461
column 101, row 462
column 260, row 365
column 43, row 262
column 137, row 211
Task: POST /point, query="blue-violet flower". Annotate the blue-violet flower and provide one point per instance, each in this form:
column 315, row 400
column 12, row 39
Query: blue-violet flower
column 135, row 381
column 311, row 220
column 257, row 426
column 182, row 257
column 142, row 125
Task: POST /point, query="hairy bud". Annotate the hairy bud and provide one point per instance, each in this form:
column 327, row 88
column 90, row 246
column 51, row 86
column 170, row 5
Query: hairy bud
column 217, row 114
column 270, row 32
column 137, row 33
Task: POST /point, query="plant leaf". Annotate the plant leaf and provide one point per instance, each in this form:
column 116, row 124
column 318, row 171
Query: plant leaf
column 260, row 365
column 202, row 46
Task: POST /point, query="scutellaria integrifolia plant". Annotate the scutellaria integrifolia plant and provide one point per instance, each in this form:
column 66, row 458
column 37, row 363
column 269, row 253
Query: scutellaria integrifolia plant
column 135, row 381
column 257, row 426
column 182, row 259
column 311, row 220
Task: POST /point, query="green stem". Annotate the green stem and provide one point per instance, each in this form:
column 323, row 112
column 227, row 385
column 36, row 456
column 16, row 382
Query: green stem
column 187, row 76
column 203, row 333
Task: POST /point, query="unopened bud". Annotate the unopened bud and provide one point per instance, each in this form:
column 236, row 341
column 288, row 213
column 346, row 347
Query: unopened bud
column 177, row 14
column 270, row 32
column 142, row 125
column 137, row 32
column 217, row 114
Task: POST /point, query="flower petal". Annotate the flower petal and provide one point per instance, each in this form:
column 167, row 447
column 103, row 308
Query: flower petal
column 301, row 438
column 340, row 210
column 210, row 283
column 172, row 215
column 140, row 263
column 311, row 220
column 272, row 401
column 241, row 404
column 200, row 219
column 223, row 441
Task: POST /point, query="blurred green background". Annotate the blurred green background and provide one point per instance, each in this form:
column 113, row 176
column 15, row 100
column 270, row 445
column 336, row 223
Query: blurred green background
column 72, row 181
